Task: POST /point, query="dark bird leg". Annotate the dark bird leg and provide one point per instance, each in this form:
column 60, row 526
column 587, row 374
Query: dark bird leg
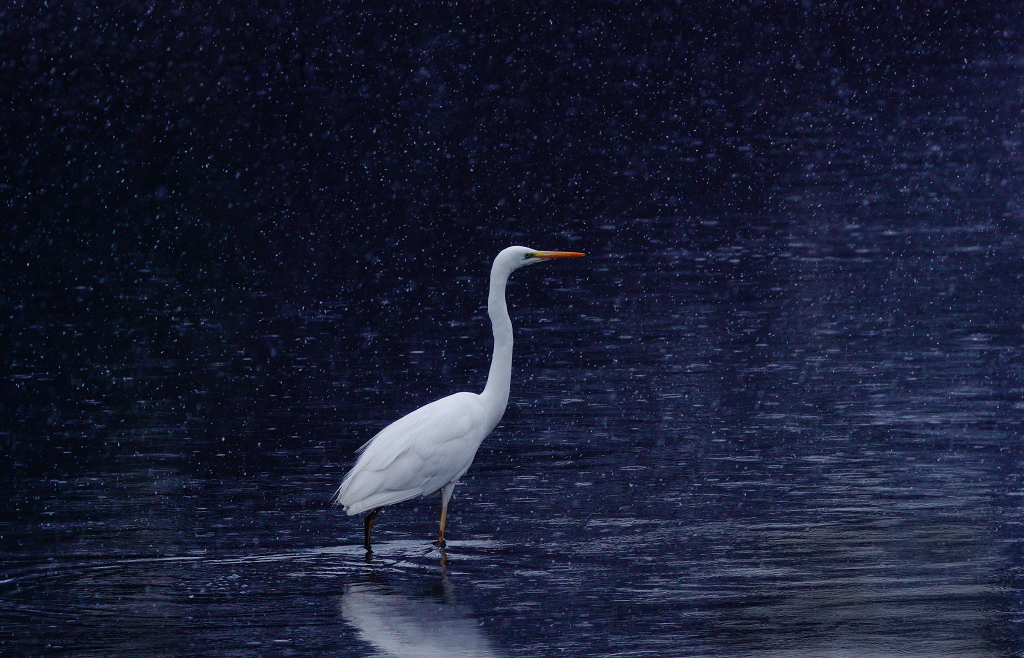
column 444, row 569
column 446, row 495
column 368, row 527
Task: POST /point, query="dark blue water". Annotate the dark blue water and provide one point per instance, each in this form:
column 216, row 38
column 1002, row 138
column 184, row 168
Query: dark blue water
column 776, row 411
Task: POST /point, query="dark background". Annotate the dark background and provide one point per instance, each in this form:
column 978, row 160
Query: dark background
column 778, row 405
column 177, row 178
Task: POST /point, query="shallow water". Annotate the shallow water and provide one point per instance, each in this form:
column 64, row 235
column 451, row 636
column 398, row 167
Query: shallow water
column 817, row 470
column 787, row 425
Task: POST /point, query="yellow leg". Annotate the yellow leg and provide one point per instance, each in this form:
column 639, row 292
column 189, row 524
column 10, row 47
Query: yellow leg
column 446, row 495
column 368, row 527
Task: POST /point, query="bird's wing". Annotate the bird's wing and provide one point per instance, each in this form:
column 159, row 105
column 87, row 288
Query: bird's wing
column 417, row 454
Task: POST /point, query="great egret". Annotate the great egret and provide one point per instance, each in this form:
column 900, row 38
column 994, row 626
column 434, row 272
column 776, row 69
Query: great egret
column 428, row 450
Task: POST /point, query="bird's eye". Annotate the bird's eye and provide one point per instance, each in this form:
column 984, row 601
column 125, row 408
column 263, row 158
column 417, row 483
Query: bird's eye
column 528, row 256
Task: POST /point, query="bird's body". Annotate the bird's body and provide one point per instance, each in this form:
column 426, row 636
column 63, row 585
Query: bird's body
column 414, row 457
column 429, row 449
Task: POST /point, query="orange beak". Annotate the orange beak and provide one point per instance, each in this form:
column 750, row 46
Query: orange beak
column 558, row 254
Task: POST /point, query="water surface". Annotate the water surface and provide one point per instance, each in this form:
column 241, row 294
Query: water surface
column 785, row 424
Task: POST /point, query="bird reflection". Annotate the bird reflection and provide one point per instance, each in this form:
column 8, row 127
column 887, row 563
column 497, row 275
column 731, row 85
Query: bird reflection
column 414, row 627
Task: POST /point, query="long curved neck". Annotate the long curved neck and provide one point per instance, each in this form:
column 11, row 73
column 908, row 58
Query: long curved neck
column 499, row 378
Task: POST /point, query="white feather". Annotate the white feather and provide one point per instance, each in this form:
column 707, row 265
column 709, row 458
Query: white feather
column 417, row 454
column 431, row 448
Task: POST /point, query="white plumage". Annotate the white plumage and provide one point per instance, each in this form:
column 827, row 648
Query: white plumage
column 417, row 454
column 428, row 450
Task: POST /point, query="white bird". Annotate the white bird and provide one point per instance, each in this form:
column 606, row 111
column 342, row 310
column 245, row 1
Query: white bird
column 428, row 450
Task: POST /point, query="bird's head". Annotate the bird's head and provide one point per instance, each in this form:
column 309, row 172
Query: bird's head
column 515, row 257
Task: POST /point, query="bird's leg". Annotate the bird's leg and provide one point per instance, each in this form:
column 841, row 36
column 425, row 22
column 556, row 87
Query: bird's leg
column 446, row 495
column 446, row 583
column 368, row 527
